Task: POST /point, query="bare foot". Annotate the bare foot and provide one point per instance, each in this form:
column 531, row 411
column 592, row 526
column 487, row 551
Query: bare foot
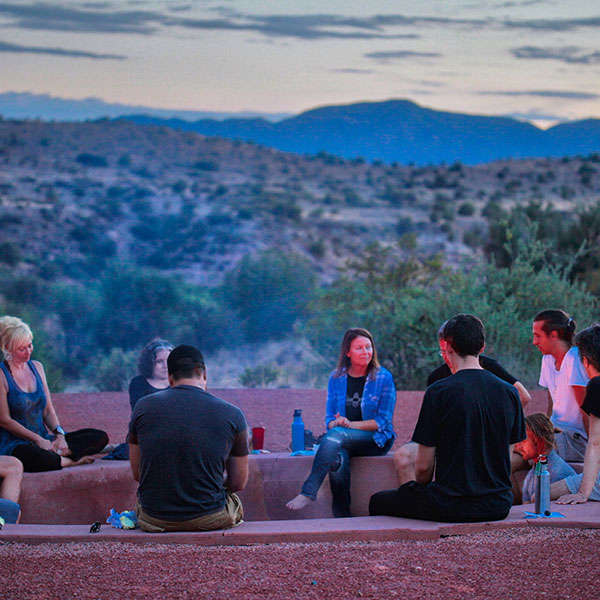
column 68, row 462
column 299, row 502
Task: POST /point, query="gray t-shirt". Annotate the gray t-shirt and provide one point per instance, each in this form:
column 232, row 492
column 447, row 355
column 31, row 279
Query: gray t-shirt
column 185, row 437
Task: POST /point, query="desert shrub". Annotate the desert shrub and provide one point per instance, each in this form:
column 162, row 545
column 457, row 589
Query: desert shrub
column 10, row 254
column 403, row 303
column 112, row 373
column 269, row 292
column 466, row 209
column 205, row 165
column 91, row 160
column 261, row 376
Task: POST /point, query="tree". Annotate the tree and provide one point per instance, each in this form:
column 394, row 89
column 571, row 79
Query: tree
column 269, row 292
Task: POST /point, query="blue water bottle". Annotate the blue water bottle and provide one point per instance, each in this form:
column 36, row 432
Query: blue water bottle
column 542, row 486
column 297, row 431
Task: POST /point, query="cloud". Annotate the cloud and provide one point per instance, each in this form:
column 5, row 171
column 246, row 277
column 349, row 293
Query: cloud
column 111, row 17
column 553, row 24
column 305, row 27
column 15, row 48
column 353, row 71
column 567, row 54
column 102, row 17
column 567, row 94
column 86, row 18
column 391, row 55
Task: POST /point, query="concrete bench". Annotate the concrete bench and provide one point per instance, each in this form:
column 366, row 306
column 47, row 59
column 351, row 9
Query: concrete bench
column 87, row 493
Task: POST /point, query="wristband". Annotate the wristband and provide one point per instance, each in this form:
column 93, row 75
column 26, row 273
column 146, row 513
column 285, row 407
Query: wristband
column 58, row 430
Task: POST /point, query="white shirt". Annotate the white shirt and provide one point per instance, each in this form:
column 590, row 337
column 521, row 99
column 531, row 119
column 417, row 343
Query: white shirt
column 566, row 412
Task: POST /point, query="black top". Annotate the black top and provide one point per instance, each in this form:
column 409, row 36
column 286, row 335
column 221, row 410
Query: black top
column 138, row 388
column 471, row 418
column 489, row 364
column 354, row 393
column 591, row 403
column 185, row 437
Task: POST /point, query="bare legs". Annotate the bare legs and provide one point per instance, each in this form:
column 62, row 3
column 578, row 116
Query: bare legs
column 11, row 473
column 404, row 462
column 517, row 464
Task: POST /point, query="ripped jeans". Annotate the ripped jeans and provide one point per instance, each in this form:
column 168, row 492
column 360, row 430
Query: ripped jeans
column 336, row 449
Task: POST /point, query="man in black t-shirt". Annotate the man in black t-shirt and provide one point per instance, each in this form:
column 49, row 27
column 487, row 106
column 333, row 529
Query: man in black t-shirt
column 577, row 489
column 181, row 440
column 464, row 435
column 404, row 457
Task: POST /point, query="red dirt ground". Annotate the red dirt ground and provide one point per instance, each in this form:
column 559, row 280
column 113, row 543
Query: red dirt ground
column 532, row 564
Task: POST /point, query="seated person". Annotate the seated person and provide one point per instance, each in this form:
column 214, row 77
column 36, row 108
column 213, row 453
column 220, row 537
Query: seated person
column 181, row 442
column 404, row 457
column 360, row 406
column 562, row 373
column 466, row 428
column 27, row 414
column 153, row 377
column 540, row 440
column 152, row 370
column 11, row 473
column 577, row 489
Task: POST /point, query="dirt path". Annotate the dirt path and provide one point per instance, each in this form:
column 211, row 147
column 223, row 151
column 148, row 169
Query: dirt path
column 533, row 564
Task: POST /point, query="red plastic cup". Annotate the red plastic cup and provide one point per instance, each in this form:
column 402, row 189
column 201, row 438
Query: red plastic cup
column 258, row 438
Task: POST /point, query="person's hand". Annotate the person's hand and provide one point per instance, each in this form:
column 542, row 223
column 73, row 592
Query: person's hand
column 44, row 444
column 577, row 498
column 339, row 422
column 60, row 446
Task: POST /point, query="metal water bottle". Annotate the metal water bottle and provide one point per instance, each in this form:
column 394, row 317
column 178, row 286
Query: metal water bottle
column 297, row 431
column 542, row 486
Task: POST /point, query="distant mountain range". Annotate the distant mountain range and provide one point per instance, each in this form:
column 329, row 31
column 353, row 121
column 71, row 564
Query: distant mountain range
column 24, row 105
column 400, row 131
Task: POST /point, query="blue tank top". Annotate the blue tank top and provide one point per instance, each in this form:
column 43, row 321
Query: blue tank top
column 26, row 408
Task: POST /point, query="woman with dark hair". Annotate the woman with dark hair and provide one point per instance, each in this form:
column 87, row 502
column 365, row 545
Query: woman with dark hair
column 152, row 369
column 29, row 427
column 153, row 377
column 564, row 376
column 360, row 406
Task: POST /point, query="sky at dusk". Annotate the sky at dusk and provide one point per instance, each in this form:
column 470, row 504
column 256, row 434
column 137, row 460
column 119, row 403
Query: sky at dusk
column 535, row 59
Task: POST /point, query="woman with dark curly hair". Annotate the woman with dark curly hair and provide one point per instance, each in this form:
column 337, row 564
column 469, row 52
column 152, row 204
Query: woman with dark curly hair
column 153, row 377
column 152, row 369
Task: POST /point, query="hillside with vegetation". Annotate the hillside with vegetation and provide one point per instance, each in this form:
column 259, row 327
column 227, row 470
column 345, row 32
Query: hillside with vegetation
column 112, row 233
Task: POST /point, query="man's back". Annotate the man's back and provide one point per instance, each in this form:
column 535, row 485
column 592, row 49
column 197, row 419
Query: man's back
column 185, row 437
column 471, row 418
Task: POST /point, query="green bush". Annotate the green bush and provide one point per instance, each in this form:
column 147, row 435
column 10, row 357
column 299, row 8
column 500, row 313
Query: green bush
column 403, row 303
column 269, row 292
column 112, row 373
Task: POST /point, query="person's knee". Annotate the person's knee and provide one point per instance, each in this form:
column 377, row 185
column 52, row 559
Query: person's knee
column 333, row 437
column 11, row 468
column 404, row 463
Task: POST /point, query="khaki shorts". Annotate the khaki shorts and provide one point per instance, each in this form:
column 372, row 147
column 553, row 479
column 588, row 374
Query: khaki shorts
column 230, row 515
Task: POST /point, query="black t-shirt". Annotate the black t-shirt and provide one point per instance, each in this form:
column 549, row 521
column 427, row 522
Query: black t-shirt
column 489, row 364
column 354, row 392
column 185, row 437
column 138, row 388
column 471, row 418
column 591, row 403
